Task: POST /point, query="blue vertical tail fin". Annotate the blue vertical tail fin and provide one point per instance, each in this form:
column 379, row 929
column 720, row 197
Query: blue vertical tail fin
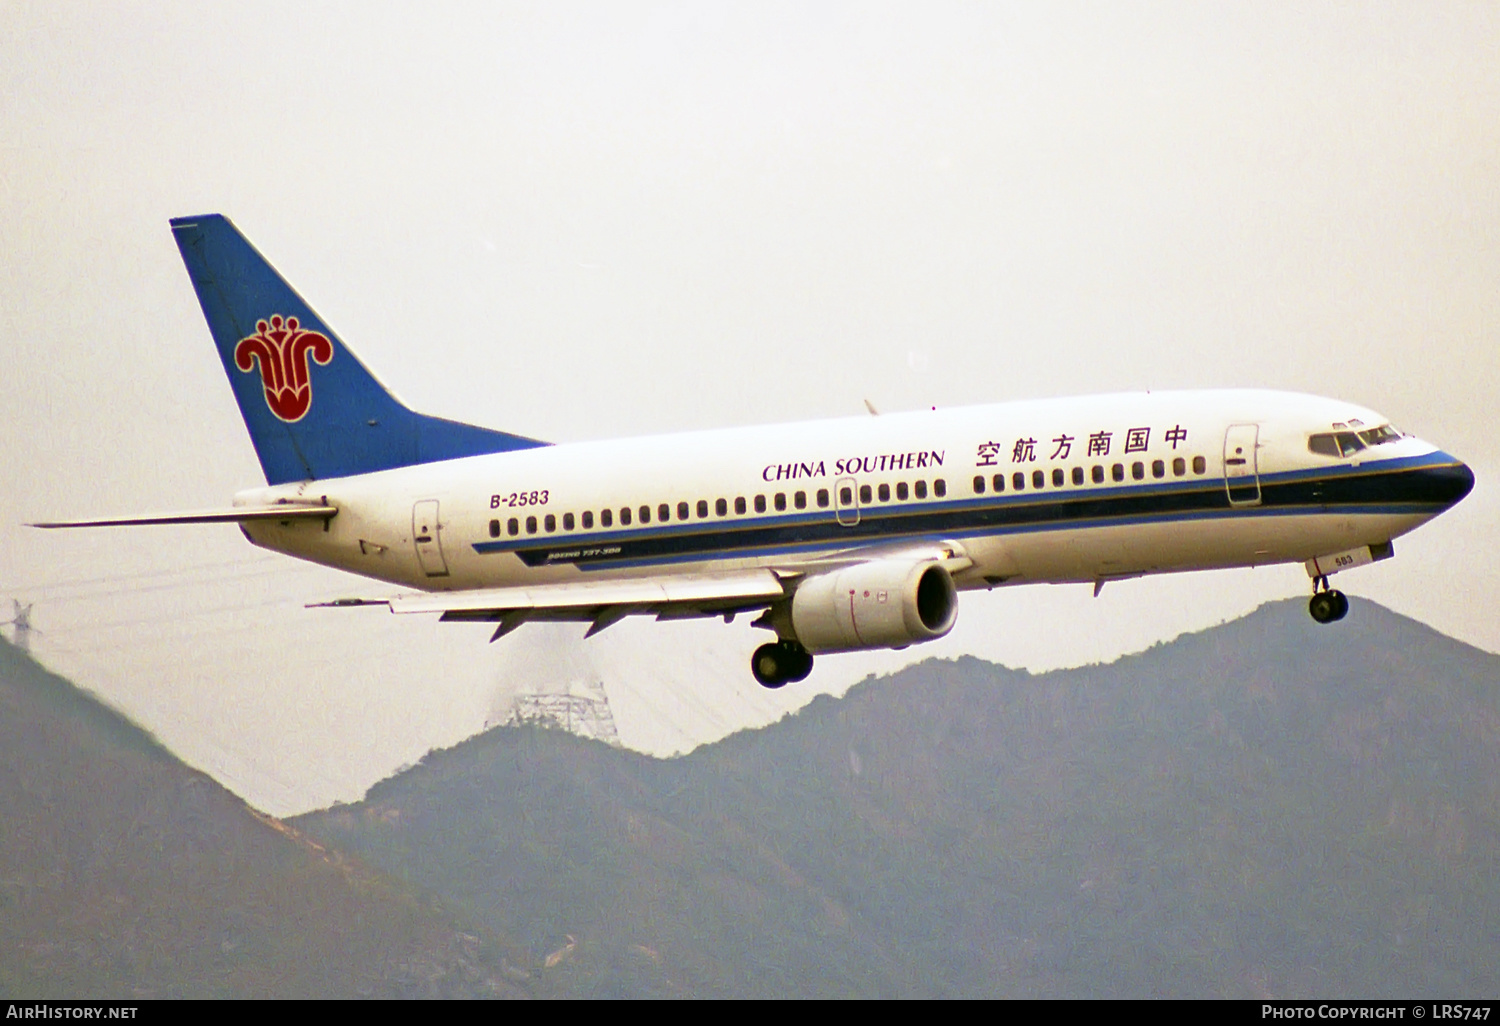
column 312, row 409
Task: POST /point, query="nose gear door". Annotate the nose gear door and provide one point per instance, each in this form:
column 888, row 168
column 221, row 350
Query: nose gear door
column 426, row 533
column 1241, row 465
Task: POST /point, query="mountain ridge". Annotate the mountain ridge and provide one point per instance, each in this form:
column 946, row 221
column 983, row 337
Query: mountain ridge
column 125, row 873
column 1264, row 807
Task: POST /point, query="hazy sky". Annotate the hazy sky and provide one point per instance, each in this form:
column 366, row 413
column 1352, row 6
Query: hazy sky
column 582, row 222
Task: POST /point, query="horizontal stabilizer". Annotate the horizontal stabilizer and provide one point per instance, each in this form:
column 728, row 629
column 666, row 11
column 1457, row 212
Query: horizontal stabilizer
column 236, row 515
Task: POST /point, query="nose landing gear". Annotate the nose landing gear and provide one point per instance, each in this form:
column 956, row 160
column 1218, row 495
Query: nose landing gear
column 1327, row 604
column 781, row 662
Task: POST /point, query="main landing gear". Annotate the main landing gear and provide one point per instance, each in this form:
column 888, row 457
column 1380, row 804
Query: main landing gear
column 1327, row 605
column 781, row 662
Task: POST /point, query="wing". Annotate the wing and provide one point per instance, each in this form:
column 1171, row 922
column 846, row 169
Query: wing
column 948, row 552
column 601, row 603
column 234, row 515
column 597, row 602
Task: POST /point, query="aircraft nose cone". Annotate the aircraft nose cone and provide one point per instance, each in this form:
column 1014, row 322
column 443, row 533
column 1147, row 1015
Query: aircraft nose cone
column 1466, row 481
column 1447, row 484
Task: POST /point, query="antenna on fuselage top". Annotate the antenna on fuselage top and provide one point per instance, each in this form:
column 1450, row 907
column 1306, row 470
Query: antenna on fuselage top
column 871, row 407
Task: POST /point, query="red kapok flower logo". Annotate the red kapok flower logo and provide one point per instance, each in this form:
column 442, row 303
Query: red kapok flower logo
column 282, row 350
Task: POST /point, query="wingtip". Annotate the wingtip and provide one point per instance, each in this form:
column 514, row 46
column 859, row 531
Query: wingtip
column 345, row 603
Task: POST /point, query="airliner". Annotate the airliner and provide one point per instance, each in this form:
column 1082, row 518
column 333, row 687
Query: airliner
column 837, row 535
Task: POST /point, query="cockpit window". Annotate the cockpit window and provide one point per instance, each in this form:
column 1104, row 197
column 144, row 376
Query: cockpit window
column 1344, row 443
column 1335, row 443
column 1323, row 445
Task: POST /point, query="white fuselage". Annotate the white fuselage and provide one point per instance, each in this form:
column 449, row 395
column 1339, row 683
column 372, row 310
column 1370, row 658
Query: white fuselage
column 1186, row 501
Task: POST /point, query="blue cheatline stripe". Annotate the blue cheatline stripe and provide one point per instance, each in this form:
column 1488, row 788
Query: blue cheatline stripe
column 1412, row 485
column 956, row 535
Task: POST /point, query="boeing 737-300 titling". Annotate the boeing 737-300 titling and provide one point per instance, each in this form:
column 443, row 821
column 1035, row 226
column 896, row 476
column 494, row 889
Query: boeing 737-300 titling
column 839, row 535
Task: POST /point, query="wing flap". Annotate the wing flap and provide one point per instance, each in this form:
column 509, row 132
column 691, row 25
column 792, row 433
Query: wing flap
column 234, row 515
column 647, row 594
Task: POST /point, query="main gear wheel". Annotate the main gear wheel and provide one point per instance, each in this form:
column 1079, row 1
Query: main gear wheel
column 781, row 662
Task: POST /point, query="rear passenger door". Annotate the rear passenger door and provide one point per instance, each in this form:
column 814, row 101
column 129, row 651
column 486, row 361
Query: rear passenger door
column 426, row 532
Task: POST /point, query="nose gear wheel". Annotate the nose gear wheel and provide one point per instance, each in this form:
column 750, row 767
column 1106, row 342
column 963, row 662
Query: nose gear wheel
column 1327, row 604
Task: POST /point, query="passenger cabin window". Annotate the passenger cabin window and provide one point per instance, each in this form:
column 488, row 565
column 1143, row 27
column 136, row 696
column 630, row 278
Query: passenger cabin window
column 512, row 527
column 865, row 495
column 822, row 498
column 1179, row 467
column 978, row 484
column 531, row 525
column 682, row 511
column 846, row 496
column 739, row 504
column 664, row 511
column 645, row 514
column 883, row 493
column 940, row 487
column 1200, row 465
column 1018, row 481
column 920, row 488
column 900, row 491
column 1057, row 477
column 1117, row 472
column 780, row 501
column 1078, row 475
column 760, row 504
column 1158, row 468
column 550, row 523
column 1097, row 474
column 588, row 518
column 1038, row 479
column 494, row 528
column 721, row 508
column 624, row 516
column 799, row 499
column 998, row 482
column 1138, row 470
column 567, row 521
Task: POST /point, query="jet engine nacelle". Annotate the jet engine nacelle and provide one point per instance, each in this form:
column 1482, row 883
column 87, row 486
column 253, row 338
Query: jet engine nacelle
column 880, row 604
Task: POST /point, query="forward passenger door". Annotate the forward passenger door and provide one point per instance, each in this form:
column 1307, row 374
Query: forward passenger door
column 1241, row 465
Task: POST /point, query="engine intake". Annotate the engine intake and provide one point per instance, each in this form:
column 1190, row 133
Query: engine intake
column 880, row 604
